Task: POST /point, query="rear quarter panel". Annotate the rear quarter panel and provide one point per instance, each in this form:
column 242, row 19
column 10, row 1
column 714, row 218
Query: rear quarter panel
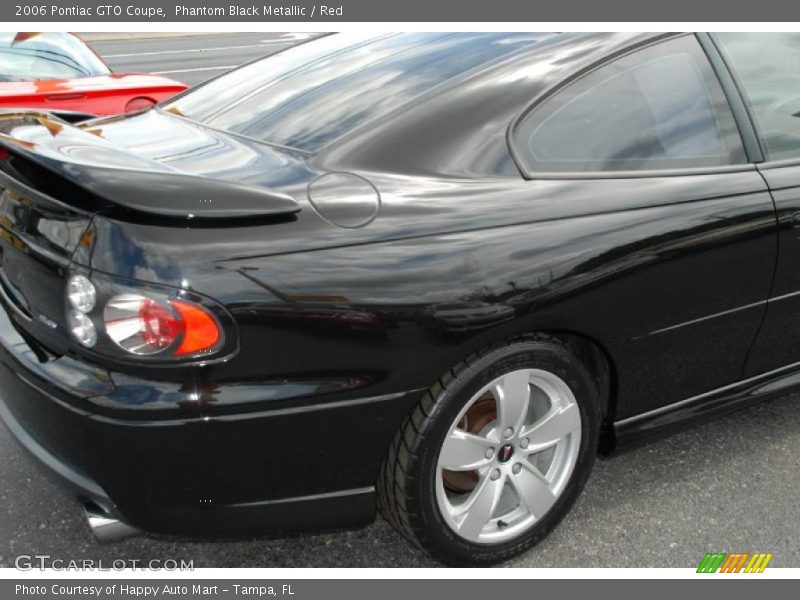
column 660, row 272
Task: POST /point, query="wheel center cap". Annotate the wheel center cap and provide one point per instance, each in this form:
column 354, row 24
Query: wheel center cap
column 505, row 454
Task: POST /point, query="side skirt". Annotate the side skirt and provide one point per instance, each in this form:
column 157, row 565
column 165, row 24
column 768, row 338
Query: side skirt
column 696, row 410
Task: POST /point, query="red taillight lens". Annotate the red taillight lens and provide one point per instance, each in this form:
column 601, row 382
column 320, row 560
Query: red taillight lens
column 138, row 104
column 159, row 327
column 144, row 326
column 200, row 329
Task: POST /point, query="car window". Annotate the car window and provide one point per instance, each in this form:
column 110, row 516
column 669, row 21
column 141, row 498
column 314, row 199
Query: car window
column 657, row 108
column 46, row 56
column 310, row 95
column 768, row 68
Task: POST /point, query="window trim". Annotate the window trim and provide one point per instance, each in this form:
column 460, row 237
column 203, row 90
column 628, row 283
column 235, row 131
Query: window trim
column 732, row 88
column 512, row 131
column 783, row 163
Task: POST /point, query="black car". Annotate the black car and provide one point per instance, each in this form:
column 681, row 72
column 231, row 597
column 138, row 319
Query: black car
column 432, row 273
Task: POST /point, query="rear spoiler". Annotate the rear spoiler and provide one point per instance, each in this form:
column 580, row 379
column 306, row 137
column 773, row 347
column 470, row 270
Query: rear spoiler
column 43, row 146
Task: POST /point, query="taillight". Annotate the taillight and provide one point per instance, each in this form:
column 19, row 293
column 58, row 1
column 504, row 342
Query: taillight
column 81, row 294
column 159, row 327
column 139, row 103
column 81, row 298
column 144, row 326
column 139, row 322
column 200, row 329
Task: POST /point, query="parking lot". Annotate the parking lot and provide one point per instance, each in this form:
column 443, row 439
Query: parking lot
column 728, row 486
column 190, row 59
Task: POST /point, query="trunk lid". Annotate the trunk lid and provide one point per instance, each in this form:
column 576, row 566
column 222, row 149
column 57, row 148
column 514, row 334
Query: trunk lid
column 55, row 179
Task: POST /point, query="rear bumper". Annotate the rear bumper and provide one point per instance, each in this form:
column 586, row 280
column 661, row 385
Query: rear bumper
column 78, row 484
column 165, row 467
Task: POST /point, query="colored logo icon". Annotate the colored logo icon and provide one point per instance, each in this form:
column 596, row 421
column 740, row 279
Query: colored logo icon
column 736, row 562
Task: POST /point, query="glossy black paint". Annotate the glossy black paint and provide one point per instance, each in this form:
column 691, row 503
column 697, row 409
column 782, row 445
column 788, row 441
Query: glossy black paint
column 776, row 344
column 346, row 313
column 114, row 180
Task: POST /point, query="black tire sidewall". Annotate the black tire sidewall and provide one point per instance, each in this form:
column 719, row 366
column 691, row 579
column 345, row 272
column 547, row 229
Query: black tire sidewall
column 441, row 540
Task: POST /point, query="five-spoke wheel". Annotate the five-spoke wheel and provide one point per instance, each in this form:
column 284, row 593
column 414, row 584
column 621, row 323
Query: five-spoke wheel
column 495, row 478
column 495, row 453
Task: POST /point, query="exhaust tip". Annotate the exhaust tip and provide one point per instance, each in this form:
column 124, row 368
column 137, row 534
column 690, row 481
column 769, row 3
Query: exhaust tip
column 106, row 528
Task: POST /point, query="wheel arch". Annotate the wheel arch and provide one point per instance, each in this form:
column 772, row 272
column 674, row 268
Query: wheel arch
column 592, row 353
column 600, row 364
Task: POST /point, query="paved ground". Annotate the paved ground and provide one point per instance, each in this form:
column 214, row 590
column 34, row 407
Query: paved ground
column 192, row 59
column 728, row 486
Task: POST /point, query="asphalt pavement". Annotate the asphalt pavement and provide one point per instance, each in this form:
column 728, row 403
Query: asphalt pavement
column 729, row 486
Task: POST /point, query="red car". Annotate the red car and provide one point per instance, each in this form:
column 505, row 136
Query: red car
column 59, row 72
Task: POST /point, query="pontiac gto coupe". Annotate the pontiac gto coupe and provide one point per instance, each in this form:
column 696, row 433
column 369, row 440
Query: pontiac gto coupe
column 431, row 274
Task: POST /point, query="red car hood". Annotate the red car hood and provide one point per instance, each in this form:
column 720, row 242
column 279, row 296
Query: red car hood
column 114, row 81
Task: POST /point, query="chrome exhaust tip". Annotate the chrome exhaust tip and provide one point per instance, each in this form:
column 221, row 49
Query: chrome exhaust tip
column 106, row 528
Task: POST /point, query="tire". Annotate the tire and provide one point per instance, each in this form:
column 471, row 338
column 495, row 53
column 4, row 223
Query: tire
column 422, row 499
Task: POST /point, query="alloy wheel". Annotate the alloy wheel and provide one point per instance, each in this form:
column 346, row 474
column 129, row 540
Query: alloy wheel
column 508, row 456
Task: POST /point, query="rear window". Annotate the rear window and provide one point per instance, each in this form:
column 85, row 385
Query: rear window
column 314, row 93
column 658, row 108
column 45, row 56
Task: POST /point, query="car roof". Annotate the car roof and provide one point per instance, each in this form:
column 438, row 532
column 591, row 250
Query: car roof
column 460, row 129
column 308, row 96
